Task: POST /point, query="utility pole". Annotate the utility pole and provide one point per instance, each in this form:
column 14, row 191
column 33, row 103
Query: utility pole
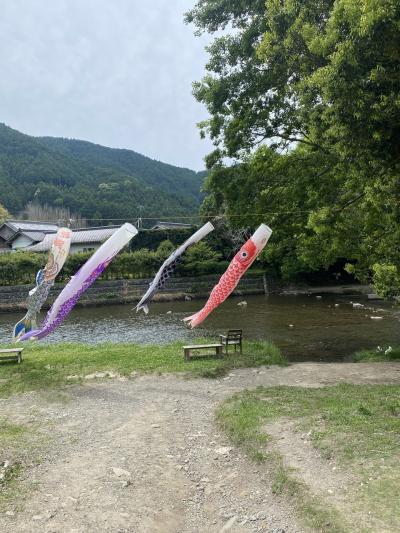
column 139, row 221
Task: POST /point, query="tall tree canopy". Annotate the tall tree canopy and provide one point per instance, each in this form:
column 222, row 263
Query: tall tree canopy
column 318, row 83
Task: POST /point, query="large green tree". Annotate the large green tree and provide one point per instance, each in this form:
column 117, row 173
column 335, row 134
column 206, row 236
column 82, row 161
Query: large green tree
column 318, row 81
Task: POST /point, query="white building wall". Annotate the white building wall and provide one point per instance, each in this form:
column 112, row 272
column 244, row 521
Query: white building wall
column 84, row 247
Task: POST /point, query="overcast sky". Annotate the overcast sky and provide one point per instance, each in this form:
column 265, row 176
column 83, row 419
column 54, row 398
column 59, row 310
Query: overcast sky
column 114, row 72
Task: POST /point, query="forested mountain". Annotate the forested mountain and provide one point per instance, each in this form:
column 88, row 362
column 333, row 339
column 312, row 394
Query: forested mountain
column 92, row 180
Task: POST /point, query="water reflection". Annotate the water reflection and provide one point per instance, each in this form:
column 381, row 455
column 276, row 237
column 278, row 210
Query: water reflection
column 321, row 330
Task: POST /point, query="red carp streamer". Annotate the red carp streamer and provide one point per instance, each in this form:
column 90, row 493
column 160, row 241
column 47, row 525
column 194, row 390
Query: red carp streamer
column 228, row 281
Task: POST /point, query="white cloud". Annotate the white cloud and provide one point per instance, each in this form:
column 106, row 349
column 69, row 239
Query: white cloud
column 117, row 72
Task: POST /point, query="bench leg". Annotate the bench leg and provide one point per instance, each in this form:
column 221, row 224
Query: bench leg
column 218, row 351
column 186, row 355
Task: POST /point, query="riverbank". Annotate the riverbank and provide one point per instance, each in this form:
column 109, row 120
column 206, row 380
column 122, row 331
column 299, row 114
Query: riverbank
column 390, row 353
column 304, row 327
column 145, row 454
column 127, row 291
column 54, row 366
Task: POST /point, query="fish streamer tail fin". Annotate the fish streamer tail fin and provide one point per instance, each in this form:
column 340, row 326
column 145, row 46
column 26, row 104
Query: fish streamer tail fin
column 194, row 320
column 25, row 325
column 145, row 308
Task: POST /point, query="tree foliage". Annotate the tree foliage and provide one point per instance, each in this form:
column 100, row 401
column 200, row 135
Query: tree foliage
column 318, row 82
column 4, row 214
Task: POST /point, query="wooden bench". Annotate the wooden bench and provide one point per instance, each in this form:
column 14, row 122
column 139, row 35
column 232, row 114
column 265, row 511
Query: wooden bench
column 11, row 354
column 233, row 338
column 187, row 350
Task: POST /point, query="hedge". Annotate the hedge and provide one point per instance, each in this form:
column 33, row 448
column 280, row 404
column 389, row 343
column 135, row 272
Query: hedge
column 20, row 267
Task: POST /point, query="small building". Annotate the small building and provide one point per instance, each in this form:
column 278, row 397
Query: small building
column 19, row 234
column 83, row 240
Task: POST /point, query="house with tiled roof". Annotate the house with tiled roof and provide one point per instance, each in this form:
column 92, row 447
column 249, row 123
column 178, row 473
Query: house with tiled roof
column 18, row 234
column 39, row 236
column 83, row 240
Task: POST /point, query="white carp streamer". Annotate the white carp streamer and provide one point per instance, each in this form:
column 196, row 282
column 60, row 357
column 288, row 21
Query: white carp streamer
column 169, row 265
column 82, row 280
column 44, row 281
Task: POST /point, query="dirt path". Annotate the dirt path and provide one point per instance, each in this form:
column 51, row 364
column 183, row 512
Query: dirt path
column 144, row 455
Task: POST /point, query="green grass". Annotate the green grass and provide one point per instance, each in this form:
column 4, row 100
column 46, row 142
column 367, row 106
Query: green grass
column 378, row 355
column 19, row 445
column 51, row 366
column 356, row 425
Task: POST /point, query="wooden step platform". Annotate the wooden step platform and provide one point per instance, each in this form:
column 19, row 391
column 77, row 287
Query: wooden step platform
column 11, row 354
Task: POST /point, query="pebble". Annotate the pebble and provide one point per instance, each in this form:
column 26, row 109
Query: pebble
column 106, row 374
column 223, row 450
column 119, row 472
column 227, row 526
column 37, row 517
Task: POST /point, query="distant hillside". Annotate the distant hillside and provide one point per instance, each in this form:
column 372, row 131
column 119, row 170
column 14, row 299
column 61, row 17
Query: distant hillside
column 92, row 180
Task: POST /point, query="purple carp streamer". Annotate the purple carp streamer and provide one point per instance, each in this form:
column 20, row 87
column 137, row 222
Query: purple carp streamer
column 44, row 281
column 169, row 265
column 82, row 280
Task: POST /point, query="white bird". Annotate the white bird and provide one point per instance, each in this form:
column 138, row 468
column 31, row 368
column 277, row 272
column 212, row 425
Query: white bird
column 388, row 350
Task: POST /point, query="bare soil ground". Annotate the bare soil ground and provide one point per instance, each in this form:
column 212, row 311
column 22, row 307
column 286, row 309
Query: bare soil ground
column 144, row 455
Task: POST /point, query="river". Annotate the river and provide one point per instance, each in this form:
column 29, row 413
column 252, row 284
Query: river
column 304, row 327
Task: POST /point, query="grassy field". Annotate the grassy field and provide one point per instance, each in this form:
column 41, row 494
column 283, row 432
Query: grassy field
column 55, row 365
column 357, row 426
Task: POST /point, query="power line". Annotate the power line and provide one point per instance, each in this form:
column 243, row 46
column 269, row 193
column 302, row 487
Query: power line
column 187, row 217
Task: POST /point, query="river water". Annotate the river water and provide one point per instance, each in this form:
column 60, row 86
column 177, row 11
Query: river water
column 325, row 329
